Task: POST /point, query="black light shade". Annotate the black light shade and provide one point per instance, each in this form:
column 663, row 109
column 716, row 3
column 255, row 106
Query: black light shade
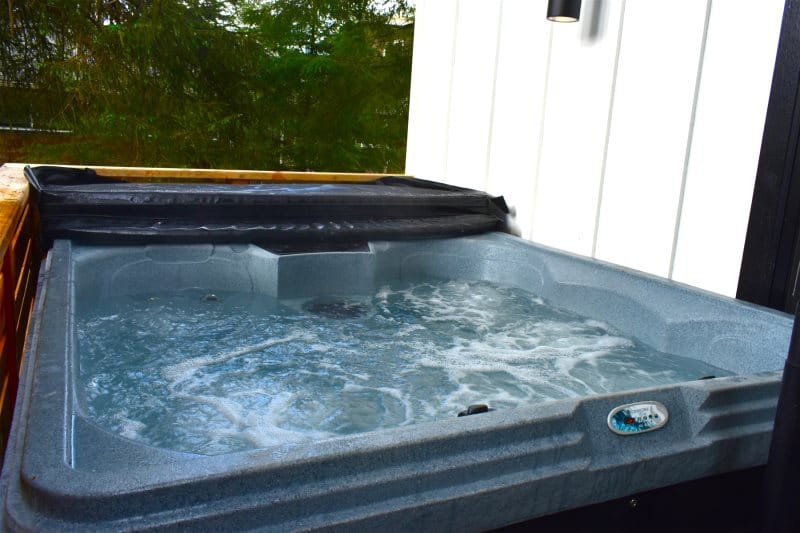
column 563, row 10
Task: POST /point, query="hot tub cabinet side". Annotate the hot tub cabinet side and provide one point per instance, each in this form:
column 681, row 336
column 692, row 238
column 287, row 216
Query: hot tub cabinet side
column 19, row 266
column 470, row 473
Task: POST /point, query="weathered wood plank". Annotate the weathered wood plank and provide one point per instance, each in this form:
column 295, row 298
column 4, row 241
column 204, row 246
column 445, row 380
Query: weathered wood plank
column 13, row 198
column 199, row 174
column 19, row 247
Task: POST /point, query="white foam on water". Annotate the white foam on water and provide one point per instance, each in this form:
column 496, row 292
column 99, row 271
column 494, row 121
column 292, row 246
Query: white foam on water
column 234, row 374
column 410, row 330
column 258, row 428
column 128, row 428
column 402, row 398
column 183, row 370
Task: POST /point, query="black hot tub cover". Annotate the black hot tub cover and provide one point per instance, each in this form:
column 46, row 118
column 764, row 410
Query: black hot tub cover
column 81, row 205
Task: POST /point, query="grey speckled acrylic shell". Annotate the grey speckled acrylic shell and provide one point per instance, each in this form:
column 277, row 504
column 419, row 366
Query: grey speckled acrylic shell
column 471, row 473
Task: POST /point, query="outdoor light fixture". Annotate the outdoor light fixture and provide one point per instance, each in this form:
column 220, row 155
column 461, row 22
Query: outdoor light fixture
column 563, row 10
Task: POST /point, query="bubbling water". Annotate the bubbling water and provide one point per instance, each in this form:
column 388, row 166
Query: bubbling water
column 240, row 371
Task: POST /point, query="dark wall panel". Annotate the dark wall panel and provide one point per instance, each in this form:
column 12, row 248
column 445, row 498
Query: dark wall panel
column 769, row 263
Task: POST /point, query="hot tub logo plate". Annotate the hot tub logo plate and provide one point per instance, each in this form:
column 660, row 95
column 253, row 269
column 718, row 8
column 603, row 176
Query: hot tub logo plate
column 636, row 418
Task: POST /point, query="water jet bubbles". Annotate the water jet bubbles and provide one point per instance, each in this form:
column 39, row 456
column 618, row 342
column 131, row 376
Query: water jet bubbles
column 252, row 371
column 335, row 307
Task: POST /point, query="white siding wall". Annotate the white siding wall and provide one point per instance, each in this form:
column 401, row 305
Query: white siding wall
column 632, row 136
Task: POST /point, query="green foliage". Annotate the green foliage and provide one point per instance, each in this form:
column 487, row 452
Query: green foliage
column 275, row 84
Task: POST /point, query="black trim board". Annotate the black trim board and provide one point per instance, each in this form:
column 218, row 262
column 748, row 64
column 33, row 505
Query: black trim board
column 728, row 502
column 771, row 252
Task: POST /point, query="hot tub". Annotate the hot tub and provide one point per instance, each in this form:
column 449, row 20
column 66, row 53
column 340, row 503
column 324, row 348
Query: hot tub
column 67, row 469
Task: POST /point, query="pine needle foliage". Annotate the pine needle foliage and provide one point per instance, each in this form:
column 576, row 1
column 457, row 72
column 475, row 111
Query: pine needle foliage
column 269, row 84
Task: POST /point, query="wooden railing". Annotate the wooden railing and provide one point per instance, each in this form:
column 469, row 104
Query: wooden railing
column 21, row 255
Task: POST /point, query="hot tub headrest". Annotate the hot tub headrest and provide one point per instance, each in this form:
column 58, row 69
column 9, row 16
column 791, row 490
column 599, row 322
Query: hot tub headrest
column 81, row 205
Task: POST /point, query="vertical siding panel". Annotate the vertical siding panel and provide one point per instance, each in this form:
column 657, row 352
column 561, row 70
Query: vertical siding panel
column 431, row 69
column 518, row 105
column 576, row 118
column 653, row 106
column 471, row 98
column 521, row 113
column 731, row 108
